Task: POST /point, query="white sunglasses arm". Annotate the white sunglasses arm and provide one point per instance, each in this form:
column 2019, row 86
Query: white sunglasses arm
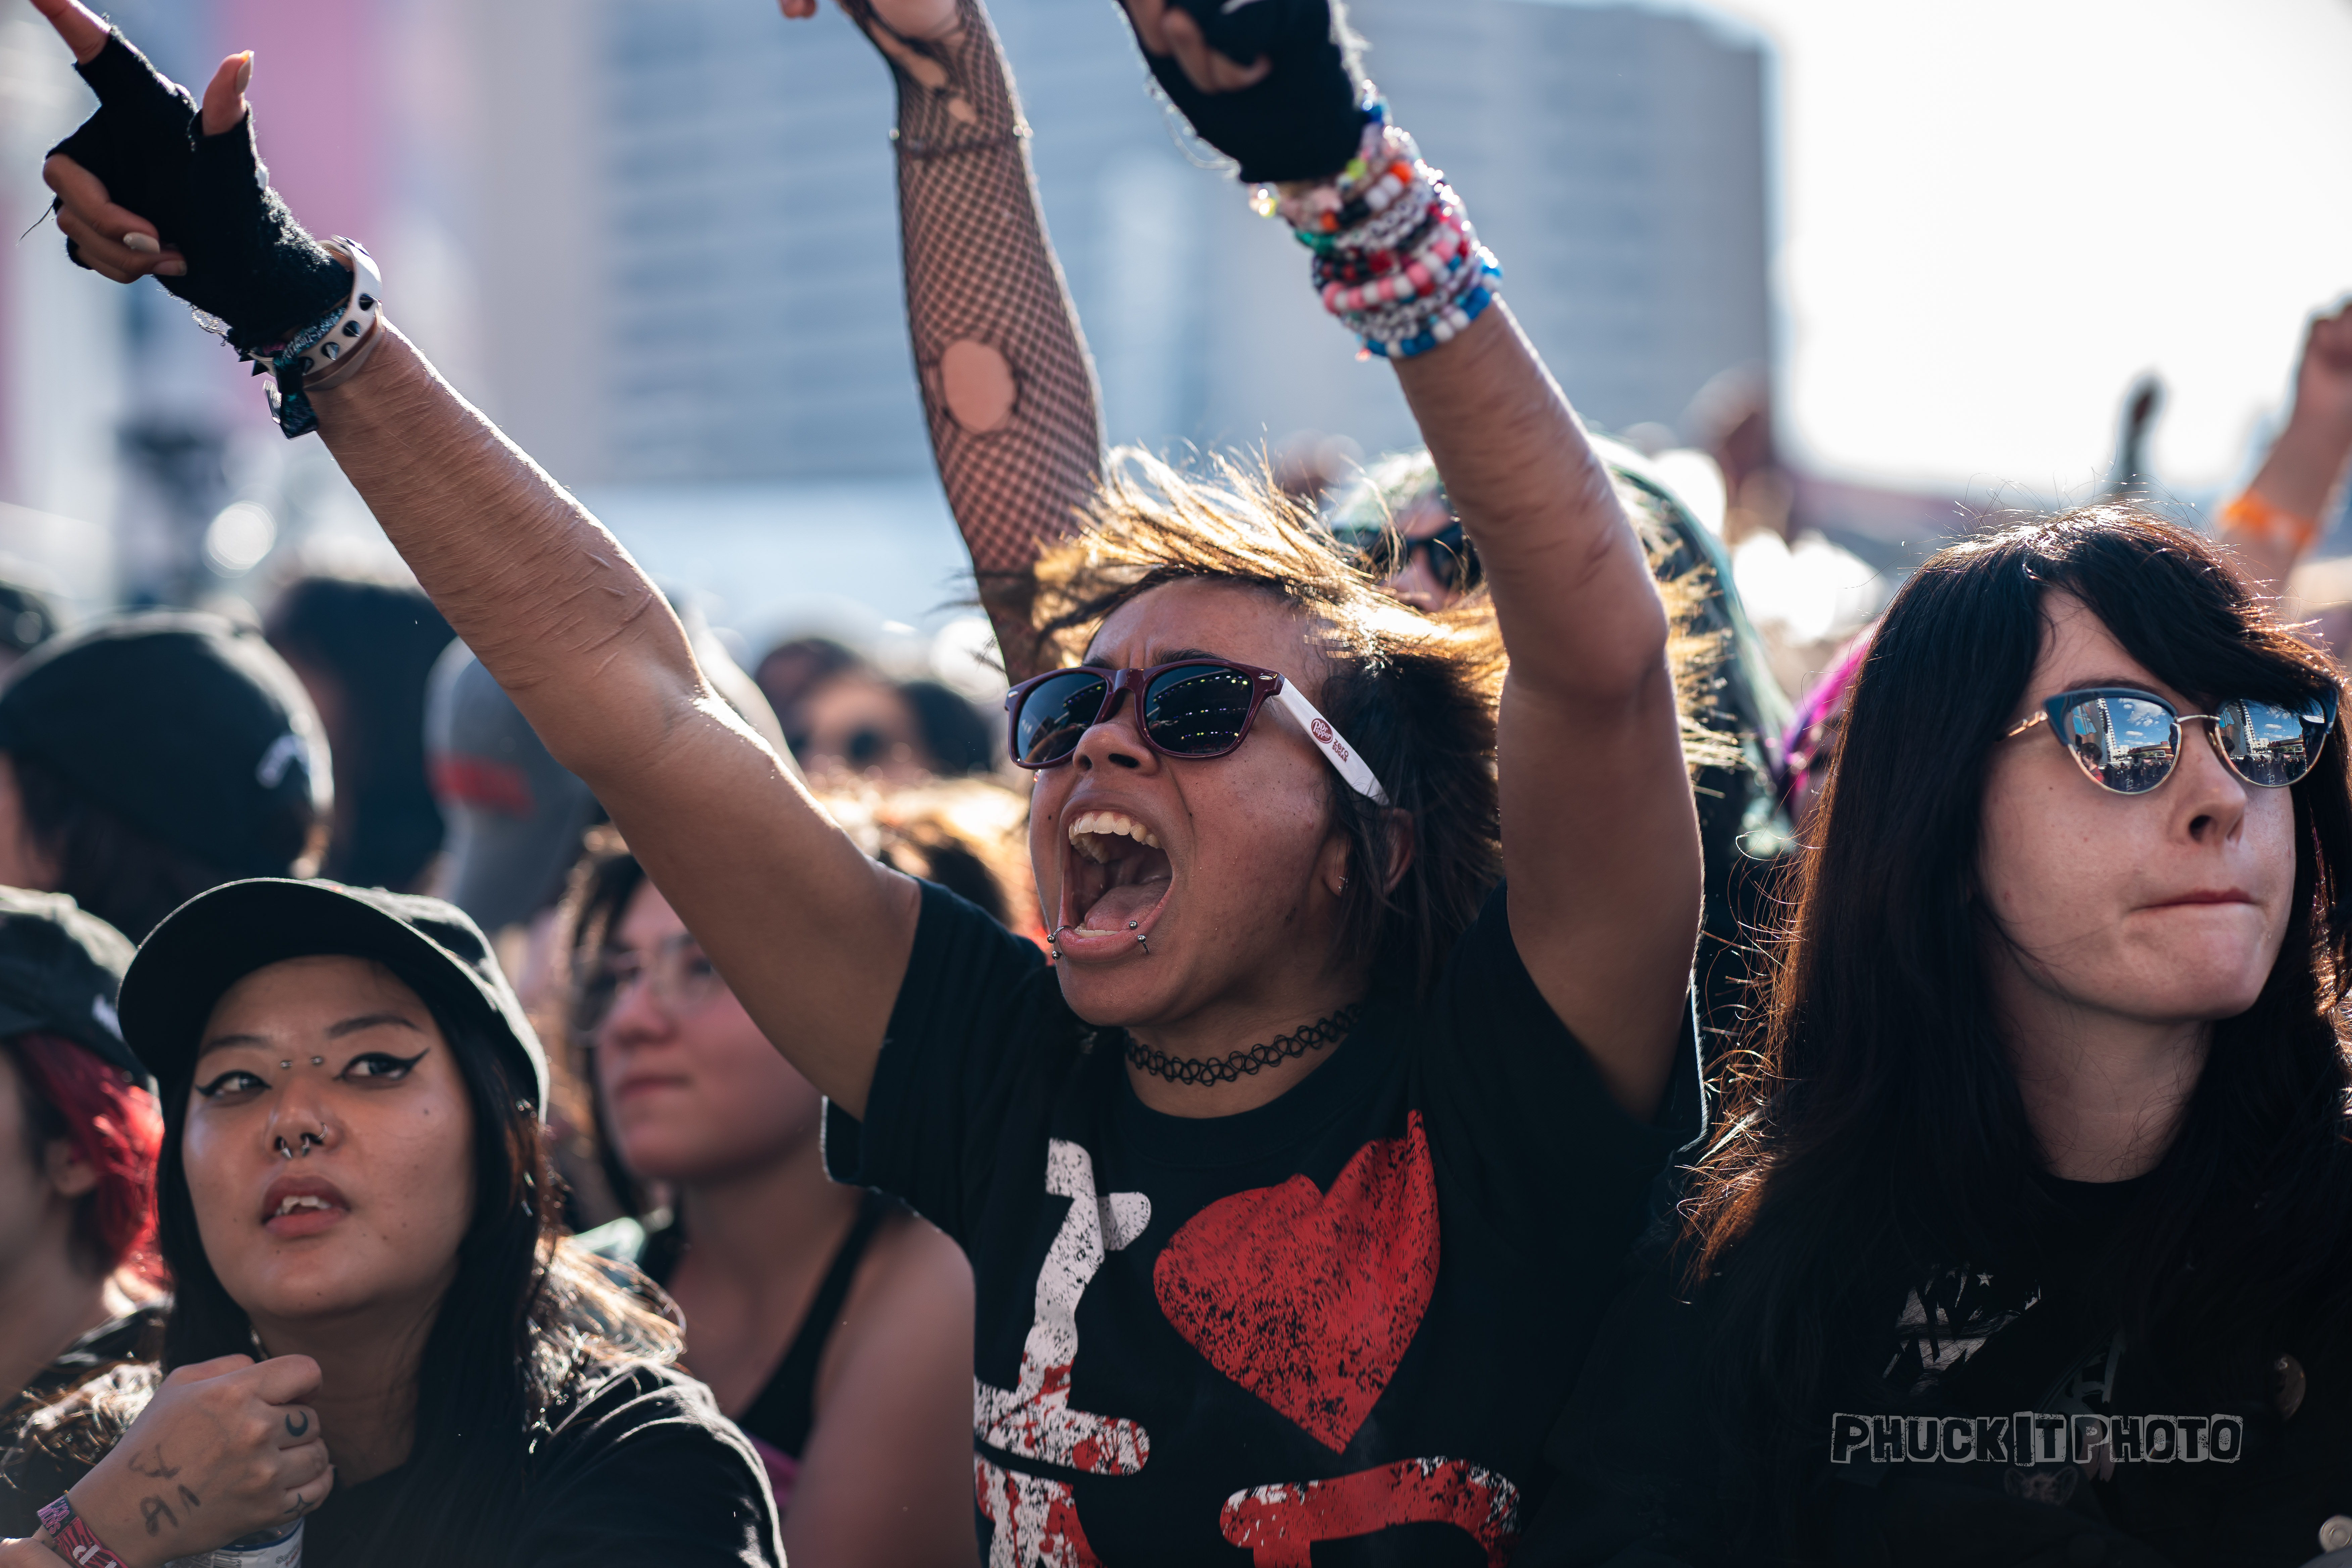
column 1334, row 746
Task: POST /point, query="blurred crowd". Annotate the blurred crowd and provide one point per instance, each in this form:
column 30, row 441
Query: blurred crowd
column 718, row 1282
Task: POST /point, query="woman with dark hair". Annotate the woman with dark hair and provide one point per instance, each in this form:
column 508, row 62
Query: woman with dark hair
column 79, row 1134
column 354, row 1188
column 832, row 1326
column 2029, row 1238
column 1291, row 1189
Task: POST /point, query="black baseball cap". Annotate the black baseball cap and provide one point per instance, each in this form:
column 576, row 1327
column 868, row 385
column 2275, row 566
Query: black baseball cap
column 60, row 970
column 188, row 727
column 220, row 936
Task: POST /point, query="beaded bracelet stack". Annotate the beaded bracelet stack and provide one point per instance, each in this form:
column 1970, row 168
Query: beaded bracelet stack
column 1395, row 256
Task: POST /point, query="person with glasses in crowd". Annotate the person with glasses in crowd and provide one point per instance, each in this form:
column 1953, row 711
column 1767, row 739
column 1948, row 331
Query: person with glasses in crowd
column 2028, row 1239
column 987, row 301
column 354, row 1188
column 832, row 1326
column 1292, row 1188
column 1396, row 521
column 79, row 1280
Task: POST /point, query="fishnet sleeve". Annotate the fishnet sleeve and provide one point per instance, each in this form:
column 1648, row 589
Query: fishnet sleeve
column 1019, row 445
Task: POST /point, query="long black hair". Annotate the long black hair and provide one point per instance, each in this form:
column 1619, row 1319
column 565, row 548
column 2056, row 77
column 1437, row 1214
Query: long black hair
column 1875, row 1114
column 525, row 1323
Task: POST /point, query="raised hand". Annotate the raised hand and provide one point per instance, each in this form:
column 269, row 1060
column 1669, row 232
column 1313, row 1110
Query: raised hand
column 2323, row 382
column 224, row 1450
column 2305, row 463
column 1270, row 83
column 924, row 20
column 150, row 183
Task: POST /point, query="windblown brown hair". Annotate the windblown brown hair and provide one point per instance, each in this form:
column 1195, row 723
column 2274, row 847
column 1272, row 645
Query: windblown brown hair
column 1415, row 693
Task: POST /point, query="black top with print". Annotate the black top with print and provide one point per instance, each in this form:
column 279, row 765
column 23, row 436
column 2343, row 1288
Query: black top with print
column 1988, row 1412
column 637, row 1467
column 1344, row 1318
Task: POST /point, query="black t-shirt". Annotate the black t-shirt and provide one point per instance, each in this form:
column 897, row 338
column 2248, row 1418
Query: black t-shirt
column 640, row 1468
column 1345, row 1317
column 1982, row 1412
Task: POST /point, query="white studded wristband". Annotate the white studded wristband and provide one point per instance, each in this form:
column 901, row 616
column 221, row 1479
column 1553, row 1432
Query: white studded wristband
column 360, row 314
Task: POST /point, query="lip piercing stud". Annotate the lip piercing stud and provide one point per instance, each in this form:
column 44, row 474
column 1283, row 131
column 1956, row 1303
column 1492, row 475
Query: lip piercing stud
column 1132, row 924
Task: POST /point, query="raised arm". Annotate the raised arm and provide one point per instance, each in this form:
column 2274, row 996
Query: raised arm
column 1600, row 833
column 1008, row 390
column 1600, row 836
column 812, row 935
column 2274, row 522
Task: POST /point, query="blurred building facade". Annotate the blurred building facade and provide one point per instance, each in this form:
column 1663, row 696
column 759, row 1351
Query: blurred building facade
column 723, row 195
column 657, row 240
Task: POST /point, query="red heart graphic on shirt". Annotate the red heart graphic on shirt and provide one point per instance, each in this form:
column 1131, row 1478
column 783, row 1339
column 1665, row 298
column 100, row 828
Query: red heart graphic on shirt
column 1308, row 1298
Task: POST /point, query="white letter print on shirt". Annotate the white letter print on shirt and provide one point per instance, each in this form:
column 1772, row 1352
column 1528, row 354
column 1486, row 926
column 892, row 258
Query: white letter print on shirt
column 1036, row 1519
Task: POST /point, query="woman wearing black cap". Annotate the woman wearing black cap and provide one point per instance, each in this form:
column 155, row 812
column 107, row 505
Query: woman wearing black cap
column 353, row 1185
column 79, row 1134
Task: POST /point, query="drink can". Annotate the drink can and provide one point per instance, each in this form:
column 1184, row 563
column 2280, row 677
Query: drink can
column 274, row 1548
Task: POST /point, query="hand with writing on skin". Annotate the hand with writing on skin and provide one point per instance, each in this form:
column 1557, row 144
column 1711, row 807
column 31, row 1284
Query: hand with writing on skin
column 224, row 1449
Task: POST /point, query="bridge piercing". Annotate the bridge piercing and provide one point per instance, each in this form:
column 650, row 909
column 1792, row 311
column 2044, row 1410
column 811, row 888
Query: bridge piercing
column 318, row 1061
column 285, row 1066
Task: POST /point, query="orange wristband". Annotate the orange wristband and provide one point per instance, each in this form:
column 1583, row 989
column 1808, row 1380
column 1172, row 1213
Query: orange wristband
column 2251, row 518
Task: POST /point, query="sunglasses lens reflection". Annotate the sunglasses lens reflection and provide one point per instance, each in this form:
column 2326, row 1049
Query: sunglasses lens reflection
column 2126, row 743
column 1054, row 715
column 1197, row 712
column 2269, row 744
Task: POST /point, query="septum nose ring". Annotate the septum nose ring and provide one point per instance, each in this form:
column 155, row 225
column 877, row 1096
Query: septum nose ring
column 309, row 1142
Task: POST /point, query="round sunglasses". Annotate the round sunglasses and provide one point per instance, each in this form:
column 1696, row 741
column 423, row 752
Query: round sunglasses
column 2127, row 741
column 1194, row 709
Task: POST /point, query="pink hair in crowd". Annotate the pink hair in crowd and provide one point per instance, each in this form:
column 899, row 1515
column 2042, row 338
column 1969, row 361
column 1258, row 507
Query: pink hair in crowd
column 1799, row 745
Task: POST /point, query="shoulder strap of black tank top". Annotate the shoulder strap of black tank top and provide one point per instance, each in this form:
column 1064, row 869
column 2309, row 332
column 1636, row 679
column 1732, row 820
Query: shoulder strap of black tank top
column 785, row 1409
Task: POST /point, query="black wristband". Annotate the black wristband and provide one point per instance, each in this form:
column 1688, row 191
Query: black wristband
column 1304, row 120
column 249, row 262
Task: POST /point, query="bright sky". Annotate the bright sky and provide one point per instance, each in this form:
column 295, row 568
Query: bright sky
column 1994, row 214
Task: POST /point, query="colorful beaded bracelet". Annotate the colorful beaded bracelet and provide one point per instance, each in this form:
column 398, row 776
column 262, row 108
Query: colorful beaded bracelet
column 1395, row 256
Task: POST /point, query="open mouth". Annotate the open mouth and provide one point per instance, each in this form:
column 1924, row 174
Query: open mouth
column 302, row 1206
column 1114, row 875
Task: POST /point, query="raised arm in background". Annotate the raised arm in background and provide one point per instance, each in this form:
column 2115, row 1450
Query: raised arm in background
column 2275, row 521
column 1600, row 836
column 1008, row 391
column 810, row 935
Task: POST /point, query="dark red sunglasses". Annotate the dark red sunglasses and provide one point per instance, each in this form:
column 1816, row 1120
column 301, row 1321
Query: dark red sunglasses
column 1194, row 709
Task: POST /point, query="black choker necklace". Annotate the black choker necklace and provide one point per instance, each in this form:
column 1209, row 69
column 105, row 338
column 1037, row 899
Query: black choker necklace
column 1322, row 1032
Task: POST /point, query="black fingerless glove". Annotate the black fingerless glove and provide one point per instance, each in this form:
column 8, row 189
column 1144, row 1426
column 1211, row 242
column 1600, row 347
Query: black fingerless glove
column 1305, row 119
column 249, row 263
